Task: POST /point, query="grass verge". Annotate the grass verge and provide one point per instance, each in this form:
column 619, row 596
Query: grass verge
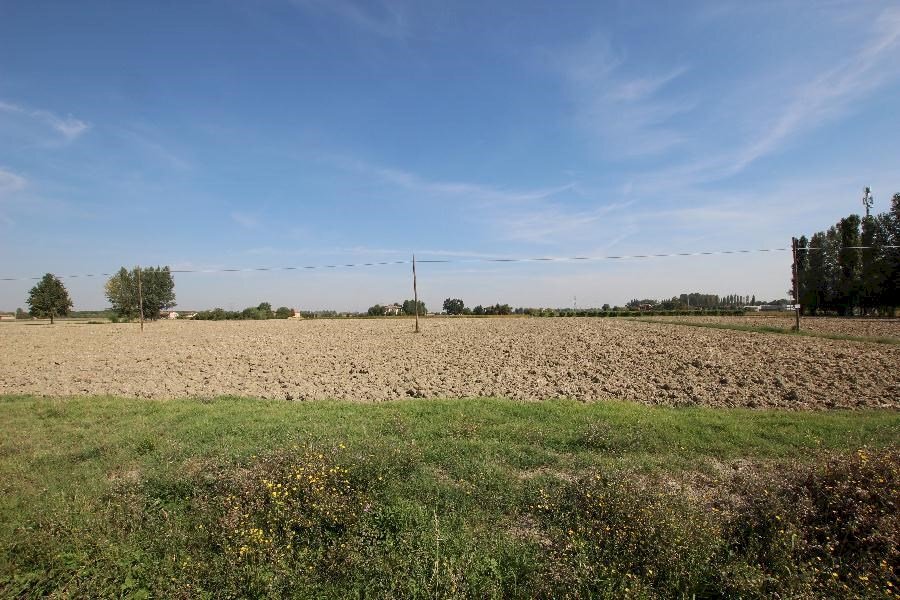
column 779, row 330
column 455, row 498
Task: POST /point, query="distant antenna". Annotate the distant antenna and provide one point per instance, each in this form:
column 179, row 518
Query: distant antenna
column 868, row 199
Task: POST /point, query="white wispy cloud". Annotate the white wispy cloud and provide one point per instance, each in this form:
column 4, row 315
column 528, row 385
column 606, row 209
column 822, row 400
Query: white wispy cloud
column 27, row 197
column 623, row 110
column 245, row 220
column 474, row 193
column 832, row 93
column 633, row 116
column 641, row 88
column 537, row 215
column 147, row 139
column 68, row 128
column 758, row 216
column 373, row 252
column 379, row 17
column 10, row 182
column 10, row 186
column 553, row 223
column 811, row 103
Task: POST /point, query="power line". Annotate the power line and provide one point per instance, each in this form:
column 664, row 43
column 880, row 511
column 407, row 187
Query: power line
column 469, row 260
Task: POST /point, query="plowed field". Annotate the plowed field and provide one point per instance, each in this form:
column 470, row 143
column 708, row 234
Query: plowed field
column 381, row 359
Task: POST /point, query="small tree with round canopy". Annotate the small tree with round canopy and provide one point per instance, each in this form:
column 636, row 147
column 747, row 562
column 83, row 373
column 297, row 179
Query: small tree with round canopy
column 49, row 298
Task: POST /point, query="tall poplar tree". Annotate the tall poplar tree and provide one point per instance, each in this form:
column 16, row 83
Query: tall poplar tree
column 849, row 265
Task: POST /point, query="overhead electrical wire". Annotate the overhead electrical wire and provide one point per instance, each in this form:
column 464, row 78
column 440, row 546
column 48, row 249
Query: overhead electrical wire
column 468, row 260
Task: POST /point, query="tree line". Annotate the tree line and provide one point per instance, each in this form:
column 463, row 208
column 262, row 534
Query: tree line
column 686, row 303
column 407, row 307
column 696, row 300
column 49, row 299
column 252, row 313
column 851, row 268
column 451, row 306
column 455, row 306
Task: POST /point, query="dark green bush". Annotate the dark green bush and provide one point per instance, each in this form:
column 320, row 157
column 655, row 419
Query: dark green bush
column 612, row 538
column 831, row 531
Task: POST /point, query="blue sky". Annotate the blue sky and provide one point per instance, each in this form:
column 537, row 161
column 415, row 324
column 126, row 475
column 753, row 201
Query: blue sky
column 243, row 134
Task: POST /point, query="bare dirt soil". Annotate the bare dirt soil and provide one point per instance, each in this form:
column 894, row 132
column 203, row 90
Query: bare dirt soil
column 856, row 326
column 381, row 359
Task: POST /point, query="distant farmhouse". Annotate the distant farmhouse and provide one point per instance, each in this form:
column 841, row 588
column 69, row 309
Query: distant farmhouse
column 392, row 309
column 7, row 317
column 174, row 314
column 770, row 308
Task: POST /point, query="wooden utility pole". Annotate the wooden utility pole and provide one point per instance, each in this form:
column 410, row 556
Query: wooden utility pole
column 140, row 298
column 415, row 294
column 796, row 285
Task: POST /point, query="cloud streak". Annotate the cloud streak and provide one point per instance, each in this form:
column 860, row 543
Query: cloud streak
column 479, row 194
column 637, row 116
column 625, row 113
column 68, row 128
column 377, row 17
column 550, row 224
column 811, row 104
column 245, row 220
column 10, row 185
column 146, row 139
column 830, row 94
column 10, row 182
column 539, row 215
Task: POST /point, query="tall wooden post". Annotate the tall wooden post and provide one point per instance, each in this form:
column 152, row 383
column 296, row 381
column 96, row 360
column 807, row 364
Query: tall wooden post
column 140, row 298
column 796, row 285
column 415, row 293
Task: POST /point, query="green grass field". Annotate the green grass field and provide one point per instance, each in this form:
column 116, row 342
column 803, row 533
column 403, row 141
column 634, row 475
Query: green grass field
column 454, row 498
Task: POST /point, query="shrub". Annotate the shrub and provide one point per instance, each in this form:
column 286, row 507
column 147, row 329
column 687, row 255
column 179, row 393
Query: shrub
column 282, row 520
column 611, row 538
column 833, row 531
